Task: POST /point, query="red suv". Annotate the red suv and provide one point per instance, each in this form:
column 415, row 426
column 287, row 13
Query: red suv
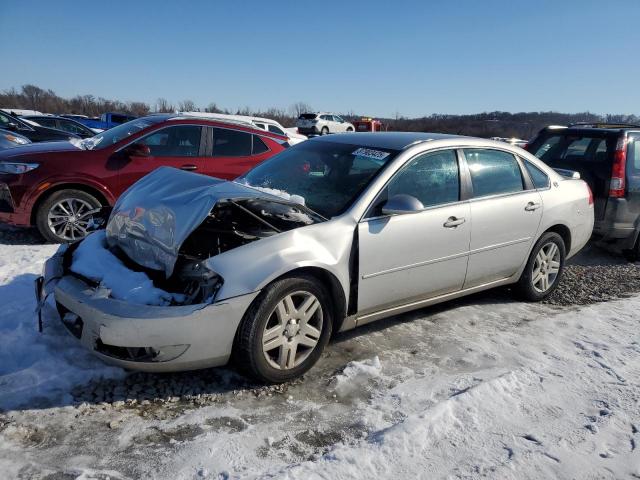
column 59, row 186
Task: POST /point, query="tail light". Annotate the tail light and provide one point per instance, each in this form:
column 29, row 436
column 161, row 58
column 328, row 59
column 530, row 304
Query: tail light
column 590, row 195
column 617, row 185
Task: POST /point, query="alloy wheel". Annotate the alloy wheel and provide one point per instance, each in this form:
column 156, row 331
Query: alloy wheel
column 69, row 218
column 546, row 267
column 293, row 330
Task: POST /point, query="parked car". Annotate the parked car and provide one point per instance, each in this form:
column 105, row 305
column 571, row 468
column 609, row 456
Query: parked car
column 104, row 122
column 16, row 112
column 263, row 123
column 61, row 123
column 328, row 235
column 607, row 156
column 518, row 142
column 322, row 124
column 59, row 187
column 35, row 133
column 368, row 124
column 10, row 139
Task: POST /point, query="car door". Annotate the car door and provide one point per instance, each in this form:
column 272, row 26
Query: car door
column 178, row 146
column 413, row 256
column 232, row 152
column 505, row 215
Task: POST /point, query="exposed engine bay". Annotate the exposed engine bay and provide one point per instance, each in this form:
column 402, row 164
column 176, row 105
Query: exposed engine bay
column 230, row 224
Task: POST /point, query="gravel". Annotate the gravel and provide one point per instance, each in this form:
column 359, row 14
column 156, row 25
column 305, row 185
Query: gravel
column 587, row 284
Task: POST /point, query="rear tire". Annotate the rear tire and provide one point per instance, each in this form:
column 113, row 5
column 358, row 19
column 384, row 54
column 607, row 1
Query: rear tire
column 349, row 129
column 277, row 341
column 544, row 268
column 64, row 216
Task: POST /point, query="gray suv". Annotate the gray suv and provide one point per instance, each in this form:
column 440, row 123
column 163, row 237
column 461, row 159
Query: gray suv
column 607, row 156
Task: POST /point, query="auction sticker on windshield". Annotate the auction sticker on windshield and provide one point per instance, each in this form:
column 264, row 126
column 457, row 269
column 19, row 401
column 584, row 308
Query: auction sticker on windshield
column 369, row 153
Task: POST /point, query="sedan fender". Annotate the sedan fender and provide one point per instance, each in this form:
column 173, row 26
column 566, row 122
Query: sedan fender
column 251, row 267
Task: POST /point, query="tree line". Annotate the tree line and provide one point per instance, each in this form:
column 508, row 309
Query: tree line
column 488, row 124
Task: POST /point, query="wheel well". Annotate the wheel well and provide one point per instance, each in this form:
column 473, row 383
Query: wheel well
column 330, row 281
column 564, row 232
column 66, row 186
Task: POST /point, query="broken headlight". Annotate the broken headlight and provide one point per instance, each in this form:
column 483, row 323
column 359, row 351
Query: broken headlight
column 199, row 283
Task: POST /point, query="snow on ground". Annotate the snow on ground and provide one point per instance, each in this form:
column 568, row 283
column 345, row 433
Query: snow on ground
column 480, row 387
column 34, row 367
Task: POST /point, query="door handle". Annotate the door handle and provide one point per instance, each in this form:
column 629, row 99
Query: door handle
column 189, row 167
column 531, row 206
column 453, row 222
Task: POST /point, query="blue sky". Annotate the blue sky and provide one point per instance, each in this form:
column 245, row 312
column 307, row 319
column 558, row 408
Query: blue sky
column 374, row 57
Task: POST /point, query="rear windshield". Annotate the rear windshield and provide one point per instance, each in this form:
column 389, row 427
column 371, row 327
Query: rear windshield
column 308, row 116
column 569, row 148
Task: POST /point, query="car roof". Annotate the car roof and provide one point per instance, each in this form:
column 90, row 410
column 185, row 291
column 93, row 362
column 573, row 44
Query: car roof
column 165, row 117
column 390, row 140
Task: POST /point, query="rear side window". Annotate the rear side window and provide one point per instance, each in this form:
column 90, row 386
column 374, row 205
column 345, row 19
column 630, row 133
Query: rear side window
column 274, row 129
column 259, row 146
column 565, row 149
column 538, row 177
column 493, row 172
column 231, row 143
column 633, row 151
column 432, row 178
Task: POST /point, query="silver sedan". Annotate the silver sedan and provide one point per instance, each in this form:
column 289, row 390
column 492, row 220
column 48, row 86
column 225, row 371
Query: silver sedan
column 328, row 235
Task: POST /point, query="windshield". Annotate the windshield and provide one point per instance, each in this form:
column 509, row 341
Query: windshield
column 326, row 176
column 115, row 134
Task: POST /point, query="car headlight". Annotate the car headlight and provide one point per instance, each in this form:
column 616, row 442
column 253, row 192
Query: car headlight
column 14, row 167
column 14, row 139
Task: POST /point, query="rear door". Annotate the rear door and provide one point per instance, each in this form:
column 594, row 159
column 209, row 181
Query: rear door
column 179, row 146
column 232, row 152
column 633, row 173
column 589, row 153
column 505, row 215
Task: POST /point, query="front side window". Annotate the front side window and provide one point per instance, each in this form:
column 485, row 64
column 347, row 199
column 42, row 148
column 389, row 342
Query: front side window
column 71, row 127
column 231, row 143
column 44, row 122
column 177, row 141
column 538, row 177
column 326, row 176
column 493, row 172
column 432, row 178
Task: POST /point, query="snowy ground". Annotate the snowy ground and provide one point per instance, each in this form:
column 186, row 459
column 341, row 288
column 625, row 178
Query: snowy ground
column 481, row 387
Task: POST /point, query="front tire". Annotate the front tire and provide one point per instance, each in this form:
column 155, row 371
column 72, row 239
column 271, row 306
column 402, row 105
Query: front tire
column 285, row 330
column 324, row 131
column 64, row 216
column 544, row 268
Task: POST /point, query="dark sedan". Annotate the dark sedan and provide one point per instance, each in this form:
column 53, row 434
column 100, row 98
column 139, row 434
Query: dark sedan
column 61, row 123
column 35, row 133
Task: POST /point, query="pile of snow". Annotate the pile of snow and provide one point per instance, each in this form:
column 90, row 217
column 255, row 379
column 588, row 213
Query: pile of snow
column 36, row 369
column 93, row 260
column 357, row 377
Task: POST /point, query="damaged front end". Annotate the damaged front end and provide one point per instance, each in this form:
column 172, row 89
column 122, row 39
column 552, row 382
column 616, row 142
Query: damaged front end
column 162, row 231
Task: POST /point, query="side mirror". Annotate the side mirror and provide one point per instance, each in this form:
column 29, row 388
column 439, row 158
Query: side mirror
column 138, row 150
column 401, row 204
column 12, row 126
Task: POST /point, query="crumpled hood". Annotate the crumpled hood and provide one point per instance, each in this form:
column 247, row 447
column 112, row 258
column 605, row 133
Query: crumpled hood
column 152, row 219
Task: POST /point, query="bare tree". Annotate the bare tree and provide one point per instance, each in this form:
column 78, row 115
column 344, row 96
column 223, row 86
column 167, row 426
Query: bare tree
column 212, row 108
column 163, row 106
column 299, row 108
column 188, row 106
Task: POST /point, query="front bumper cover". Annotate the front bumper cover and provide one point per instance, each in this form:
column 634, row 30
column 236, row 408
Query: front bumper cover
column 174, row 338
